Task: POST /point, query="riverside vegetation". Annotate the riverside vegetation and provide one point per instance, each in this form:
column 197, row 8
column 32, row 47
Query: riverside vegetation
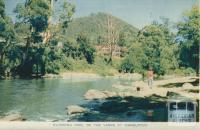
column 41, row 41
column 44, row 41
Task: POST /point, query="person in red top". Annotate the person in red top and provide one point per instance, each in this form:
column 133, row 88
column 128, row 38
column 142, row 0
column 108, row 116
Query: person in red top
column 150, row 77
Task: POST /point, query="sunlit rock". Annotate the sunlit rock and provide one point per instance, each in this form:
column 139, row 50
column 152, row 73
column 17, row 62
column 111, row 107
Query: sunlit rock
column 74, row 109
column 13, row 117
column 187, row 85
column 95, row 94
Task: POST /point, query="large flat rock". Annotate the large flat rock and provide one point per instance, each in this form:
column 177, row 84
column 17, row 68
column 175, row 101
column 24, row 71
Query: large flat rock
column 74, row 109
column 13, row 117
column 145, row 91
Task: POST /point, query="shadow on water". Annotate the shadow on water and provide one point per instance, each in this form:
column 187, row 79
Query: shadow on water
column 128, row 109
column 152, row 108
column 42, row 99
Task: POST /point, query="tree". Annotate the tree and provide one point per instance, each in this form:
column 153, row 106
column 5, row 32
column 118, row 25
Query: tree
column 135, row 61
column 59, row 48
column 189, row 35
column 154, row 47
column 71, row 48
column 7, row 36
column 158, row 45
column 2, row 8
column 112, row 36
column 86, row 49
column 35, row 16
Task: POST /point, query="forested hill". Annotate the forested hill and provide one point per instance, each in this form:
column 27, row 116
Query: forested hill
column 95, row 26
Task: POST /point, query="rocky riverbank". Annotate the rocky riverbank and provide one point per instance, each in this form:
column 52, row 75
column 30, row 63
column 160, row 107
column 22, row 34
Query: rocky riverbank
column 184, row 86
column 126, row 101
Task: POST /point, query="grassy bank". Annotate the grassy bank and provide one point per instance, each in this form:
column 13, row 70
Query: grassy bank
column 99, row 67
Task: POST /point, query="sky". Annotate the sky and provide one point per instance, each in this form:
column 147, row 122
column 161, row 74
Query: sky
column 135, row 12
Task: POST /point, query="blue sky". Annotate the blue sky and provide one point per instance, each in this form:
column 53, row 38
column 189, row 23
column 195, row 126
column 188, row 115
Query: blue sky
column 135, row 12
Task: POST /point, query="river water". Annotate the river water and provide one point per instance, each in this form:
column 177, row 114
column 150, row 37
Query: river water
column 47, row 99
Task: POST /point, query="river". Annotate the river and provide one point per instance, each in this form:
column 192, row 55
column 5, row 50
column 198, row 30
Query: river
column 47, row 99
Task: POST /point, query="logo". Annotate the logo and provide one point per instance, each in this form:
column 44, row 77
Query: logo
column 181, row 110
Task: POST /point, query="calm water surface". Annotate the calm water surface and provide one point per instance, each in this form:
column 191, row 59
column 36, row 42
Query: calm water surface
column 46, row 99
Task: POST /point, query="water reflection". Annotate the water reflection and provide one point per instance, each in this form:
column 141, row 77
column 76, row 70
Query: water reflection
column 39, row 99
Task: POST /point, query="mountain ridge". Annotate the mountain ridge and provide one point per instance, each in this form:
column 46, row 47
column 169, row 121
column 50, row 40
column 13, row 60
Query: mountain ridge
column 94, row 26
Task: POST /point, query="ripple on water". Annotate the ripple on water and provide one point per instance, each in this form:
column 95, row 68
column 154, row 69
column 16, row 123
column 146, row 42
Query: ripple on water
column 46, row 99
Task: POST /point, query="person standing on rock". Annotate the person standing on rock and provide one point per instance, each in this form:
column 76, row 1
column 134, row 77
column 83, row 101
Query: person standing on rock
column 150, row 77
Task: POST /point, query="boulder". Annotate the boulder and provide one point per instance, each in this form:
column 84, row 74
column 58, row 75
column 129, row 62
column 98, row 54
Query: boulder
column 187, row 85
column 13, row 117
column 95, row 94
column 73, row 109
column 110, row 94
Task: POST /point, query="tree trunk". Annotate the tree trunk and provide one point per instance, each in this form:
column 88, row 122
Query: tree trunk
column 43, row 71
column 37, row 70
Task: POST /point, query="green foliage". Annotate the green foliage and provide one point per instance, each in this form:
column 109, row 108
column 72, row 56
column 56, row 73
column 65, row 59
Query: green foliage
column 154, row 48
column 2, row 8
column 127, row 65
column 127, row 36
column 94, row 27
column 71, row 48
column 55, row 60
column 184, row 71
column 135, row 61
column 80, row 65
column 34, row 13
column 32, row 46
column 66, row 14
column 189, row 33
column 7, row 34
column 6, row 28
column 86, row 49
column 102, row 68
column 29, row 55
column 32, row 20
